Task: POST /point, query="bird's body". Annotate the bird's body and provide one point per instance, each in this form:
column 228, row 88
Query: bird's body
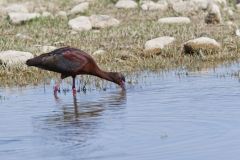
column 72, row 62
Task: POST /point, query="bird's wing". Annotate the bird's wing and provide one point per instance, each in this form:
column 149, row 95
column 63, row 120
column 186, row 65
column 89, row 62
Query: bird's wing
column 66, row 62
column 75, row 60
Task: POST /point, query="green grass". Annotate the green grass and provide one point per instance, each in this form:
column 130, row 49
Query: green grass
column 124, row 44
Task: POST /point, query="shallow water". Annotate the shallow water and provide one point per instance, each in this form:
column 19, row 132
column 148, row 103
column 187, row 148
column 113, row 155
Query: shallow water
column 171, row 115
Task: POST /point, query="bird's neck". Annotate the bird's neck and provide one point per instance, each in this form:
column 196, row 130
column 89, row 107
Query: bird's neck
column 104, row 75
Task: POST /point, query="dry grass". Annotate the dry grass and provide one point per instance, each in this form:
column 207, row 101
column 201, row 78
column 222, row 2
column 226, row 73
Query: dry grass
column 124, row 44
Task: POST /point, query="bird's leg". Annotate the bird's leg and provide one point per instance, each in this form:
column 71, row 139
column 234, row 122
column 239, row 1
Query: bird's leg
column 57, row 86
column 73, row 85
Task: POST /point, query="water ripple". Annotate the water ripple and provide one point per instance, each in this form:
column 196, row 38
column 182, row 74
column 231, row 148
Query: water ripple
column 164, row 116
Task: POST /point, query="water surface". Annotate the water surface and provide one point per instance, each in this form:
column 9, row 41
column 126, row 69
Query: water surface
column 170, row 115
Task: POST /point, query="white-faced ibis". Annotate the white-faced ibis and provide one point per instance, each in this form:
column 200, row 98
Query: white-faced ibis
column 72, row 62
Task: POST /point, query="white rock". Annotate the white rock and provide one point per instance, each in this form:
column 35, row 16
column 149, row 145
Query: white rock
column 231, row 24
column 47, row 14
column 3, row 1
column 221, row 2
column 214, row 14
column 99, row 52
column 12, row 57
column 238, row 6
column 40, row 9
column 81, row 1
column 201, row 4
column 73, row 32
column 2, row 11
column 32, row 6
column 80, row 8
column 230, row 13
column 61, row 14
column 46, row 49
column 103, row 21
column 150, row 5
column 23, row 36
column 185, row 7
column 62, row 43
column 16, row 8
column 18, row 18
column 202, row 43
column 175, row 20
column 171, row 2
column 96, row 31
column 81, row 23
column 159, row 43
column 127, row 4
column 237, row 32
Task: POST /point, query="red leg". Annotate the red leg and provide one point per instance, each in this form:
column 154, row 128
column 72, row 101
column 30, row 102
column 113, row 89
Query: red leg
column 56, row 87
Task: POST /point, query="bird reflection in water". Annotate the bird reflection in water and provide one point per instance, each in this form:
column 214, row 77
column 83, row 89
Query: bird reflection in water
column 80, row 121
column 90, row 109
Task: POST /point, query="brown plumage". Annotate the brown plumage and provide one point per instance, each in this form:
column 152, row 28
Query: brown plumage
column 72, row 62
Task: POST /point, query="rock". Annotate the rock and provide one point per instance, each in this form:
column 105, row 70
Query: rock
column 15, row 7
column 158, row 43
column 201, row 4
column 60, row 43
column 99, row 52
column 150, row 5
column 202, row 44
column 49, row 6
column 174, row 20
column 23, row 36
column 185, row 7
column 231, row 24
column 18, row 18
column 11, row 57
column 2, row 11
column 127, row 4
column 47, row 14
column 81, row 1
column 238, row 6
column 221, row 2
column 3, row 2
column 80, row 8
column 81, row 23
column 46, row 49
column 171, row 2
column 32, row 6
column 96, row 31
column 237, row 32
column 73, row 32
column 214, row 15
column 103, row 21
column 40, row 9
column 62, row 14
column 230, row 14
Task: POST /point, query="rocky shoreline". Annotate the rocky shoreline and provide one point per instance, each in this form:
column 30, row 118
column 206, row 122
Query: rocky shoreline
column 187, row 28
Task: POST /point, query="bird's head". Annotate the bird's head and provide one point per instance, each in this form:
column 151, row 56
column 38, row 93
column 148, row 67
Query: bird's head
column 119, row 79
